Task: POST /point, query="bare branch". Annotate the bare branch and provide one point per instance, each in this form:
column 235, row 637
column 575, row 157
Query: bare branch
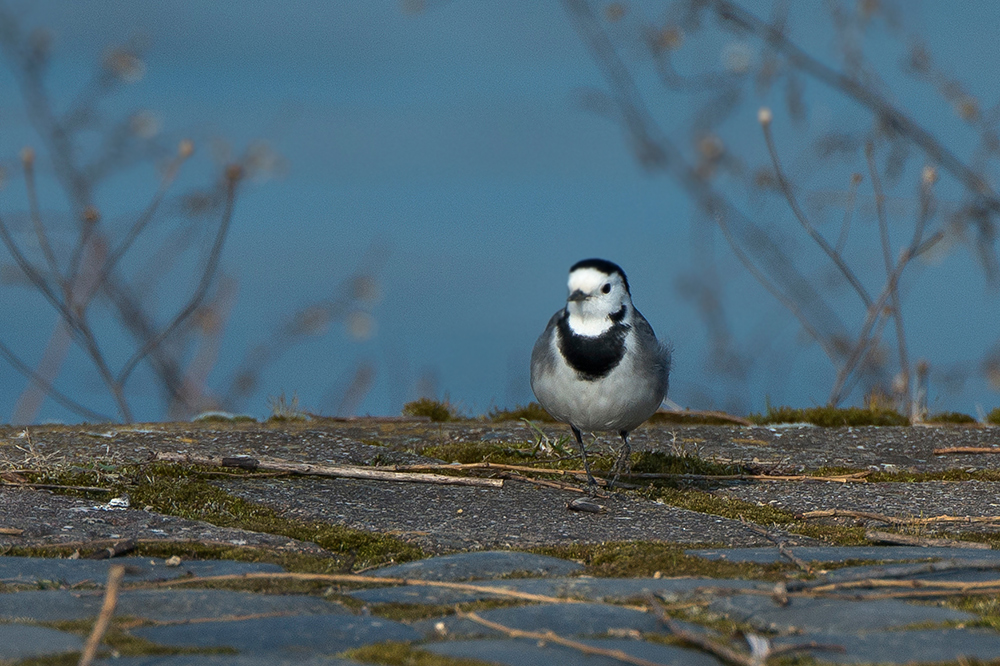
column 233, row 177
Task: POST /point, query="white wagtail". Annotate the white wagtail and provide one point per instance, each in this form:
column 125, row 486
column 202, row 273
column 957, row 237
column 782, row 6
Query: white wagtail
column 598, row 365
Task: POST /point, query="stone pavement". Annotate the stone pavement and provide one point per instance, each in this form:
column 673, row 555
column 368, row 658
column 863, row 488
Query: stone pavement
column 39, row 596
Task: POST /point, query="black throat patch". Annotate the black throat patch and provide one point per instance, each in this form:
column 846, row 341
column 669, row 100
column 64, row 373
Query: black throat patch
column 595, row 357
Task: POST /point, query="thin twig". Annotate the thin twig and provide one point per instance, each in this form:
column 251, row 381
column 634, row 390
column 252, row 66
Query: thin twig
column 951, row 450
column 550, row 636
column 923, row 542
column 115, row 574
column 49, row 389
column 786, row 188
column 336, row 471
column 894, row 520
column 890, row 271
column 28, row 162
column 875, row 102
column 377, row 580
column 234, row 174
column 723, row 652
column 56, row 486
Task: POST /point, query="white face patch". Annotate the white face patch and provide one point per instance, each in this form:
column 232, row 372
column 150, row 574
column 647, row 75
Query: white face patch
column 591, row 317
column 587, row 280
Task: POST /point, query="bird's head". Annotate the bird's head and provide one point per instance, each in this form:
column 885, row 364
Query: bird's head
column 598, row 296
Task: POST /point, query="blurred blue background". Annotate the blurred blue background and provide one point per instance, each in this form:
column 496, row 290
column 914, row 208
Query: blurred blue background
column 455, row 145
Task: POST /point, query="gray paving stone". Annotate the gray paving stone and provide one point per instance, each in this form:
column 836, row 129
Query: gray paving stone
column 269, row 659
column 525, row 652
column 30, row 570
column 830, row 615
column 305, row 634
column 564, row 619
column 480, row 565
column 904, row 647
column 49, row 605
column 594, row 589
column 973, row 574
column 18, row 641
column 844, row 553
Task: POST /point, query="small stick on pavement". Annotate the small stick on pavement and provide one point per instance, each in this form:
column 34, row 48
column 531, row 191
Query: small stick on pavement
column 115, row 574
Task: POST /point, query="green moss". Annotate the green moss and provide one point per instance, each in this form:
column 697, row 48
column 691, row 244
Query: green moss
column 284, row 410
column 658, row 462
column 760, row 514
column 435, row 410
column 184, row 492
column 394, row 653
column 117, row 640
column 831, row 417
column 950, row 417
column 626, row 559
column 414, row 612
column 531, row 412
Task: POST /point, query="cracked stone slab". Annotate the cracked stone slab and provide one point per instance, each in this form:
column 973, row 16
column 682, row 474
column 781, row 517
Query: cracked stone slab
column 526, row 652
column 830, row 615
column 903, row 500
column 480, row 565
column 51, row 605
column 563, row 619
column 33, row 570
column 593, row 589
column 467, row 518
column 904, row 647
column 47, row 519
column 304, row 634
column 844, row 553
column 270, row 659
column 18, row 641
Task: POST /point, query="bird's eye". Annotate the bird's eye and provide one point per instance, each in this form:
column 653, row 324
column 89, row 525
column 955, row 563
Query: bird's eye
column 606, row 289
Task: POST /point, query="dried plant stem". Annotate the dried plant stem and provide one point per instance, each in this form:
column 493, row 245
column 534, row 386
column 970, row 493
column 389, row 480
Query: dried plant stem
column 723, row 652
column 549, row 636
column 115, row 574
column 364, row 580
column 890, row 271
column 49, row 389
column 951, row 450
column 895, row 520
column 233, row 176
column 879, row 105
column 28, row 162
column 786, row 188
column 337, row 471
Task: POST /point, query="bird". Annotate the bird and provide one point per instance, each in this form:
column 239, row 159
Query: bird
column 598, row 365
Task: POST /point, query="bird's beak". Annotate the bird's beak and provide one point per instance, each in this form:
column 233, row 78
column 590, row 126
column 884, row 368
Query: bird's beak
column 577, row 296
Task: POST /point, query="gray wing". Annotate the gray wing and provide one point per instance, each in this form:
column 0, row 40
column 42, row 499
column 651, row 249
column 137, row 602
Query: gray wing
column 542, row 356
column 652, row 352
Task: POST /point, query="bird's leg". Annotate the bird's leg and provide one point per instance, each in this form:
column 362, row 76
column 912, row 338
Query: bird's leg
column 624, row 462
column 591, row 483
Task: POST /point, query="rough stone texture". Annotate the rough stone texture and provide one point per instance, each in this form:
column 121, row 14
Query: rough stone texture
column 521, row 652
column 593, row 589
column 564, row 619
column 830, row 615
column 480, row 565
column 49, row 519
column 845, row 553
column 516, row 516
column 180, row 604
column 318, row 634
column 30, row 570
column 900, row 500
column 904, row 647
column 21, row 641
